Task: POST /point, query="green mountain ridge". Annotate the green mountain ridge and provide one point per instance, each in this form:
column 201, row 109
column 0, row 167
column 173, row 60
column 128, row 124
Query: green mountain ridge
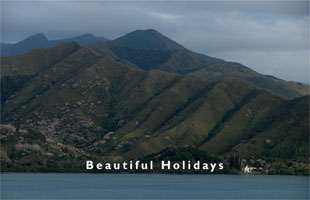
column 78, row 104
column 140, row 49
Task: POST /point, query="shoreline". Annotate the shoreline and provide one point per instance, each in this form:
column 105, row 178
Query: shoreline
column 123, row 173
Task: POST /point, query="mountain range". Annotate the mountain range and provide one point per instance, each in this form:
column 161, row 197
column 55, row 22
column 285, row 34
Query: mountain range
column 148, row 49
column 40, row 41
column 133, row 98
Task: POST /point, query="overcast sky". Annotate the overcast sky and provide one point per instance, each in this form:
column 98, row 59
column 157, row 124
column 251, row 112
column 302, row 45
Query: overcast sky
column 271, row 37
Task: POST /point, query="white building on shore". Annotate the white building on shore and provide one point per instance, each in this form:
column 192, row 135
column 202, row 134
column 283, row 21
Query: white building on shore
column 248, row 169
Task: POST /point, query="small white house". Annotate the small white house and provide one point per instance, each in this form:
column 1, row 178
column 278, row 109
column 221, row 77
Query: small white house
column 248, row 169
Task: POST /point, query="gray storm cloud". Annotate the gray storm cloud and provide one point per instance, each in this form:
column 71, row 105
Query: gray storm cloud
column 270, row 37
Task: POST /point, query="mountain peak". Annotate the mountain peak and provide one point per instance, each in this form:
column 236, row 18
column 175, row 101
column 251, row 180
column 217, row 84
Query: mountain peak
column 149, row 31
column 85, row 39
column 39, row 37
column 148, row 39
column 86, row 35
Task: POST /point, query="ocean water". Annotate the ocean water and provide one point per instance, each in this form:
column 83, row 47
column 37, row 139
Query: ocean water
column 152, row 186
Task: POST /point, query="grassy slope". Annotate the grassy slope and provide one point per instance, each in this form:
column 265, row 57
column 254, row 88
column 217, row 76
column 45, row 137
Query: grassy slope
column 282, row 132
column 36, row 60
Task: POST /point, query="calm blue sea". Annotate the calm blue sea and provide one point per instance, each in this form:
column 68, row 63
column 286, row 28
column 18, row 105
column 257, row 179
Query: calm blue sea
column 152, row 186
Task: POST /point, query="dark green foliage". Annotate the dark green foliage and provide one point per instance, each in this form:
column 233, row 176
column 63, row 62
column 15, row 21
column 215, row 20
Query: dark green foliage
column 10, row 85
column 235, row 161
column 145, row 59
column 178, row 154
